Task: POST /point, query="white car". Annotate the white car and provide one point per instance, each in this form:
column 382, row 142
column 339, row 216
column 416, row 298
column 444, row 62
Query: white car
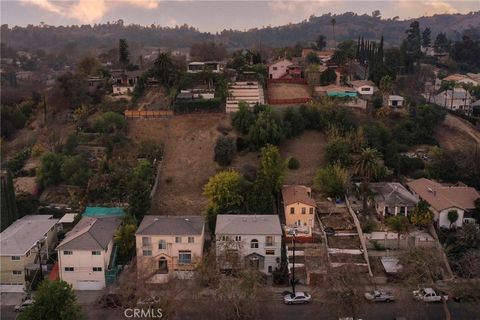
column 428, row 295
column 297, row 297
column 23, row 305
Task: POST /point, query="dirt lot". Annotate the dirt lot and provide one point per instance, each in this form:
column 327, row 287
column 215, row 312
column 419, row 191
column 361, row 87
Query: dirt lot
column 188, row 163
column 288, row 91
column 309, row 150
column 455, row 133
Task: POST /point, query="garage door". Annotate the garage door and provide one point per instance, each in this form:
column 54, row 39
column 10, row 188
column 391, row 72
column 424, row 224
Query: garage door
column 89, row 285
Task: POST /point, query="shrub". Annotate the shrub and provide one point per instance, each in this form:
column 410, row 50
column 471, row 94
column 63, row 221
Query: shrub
column 267, row 129
column 75, row 170
column 200, row 105
column 150, row 150
column 293, row 163
column 16, row 164
column 244, row 118
column 338, row 150
column 49, row 172
column 224, row 150
column 332, row 180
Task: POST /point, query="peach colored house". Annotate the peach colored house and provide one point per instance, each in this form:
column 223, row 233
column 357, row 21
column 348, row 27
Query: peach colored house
column 169, row 246
column 299, row 206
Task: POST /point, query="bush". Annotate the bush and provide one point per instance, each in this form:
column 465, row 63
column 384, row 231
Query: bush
column 49, row 172
column 224, row 150
column 200, row 105
column 75, row 170
column 243, row 119
column 338, row 150
column 16, row 164
column 293, row 122
column 267, row 129
column 293, row 163
column 150, row 150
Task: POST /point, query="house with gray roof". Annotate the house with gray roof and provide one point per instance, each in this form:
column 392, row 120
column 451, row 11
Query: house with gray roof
column 23, row 245
column 456, row 99
column 85, row 254
column 169, row 246
column 392, row 198
column 248, row 240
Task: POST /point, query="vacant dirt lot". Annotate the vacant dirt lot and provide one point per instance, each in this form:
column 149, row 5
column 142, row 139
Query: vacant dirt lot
column 309, row 150
column 455, row 133
column 188, row 163
column 288, row 91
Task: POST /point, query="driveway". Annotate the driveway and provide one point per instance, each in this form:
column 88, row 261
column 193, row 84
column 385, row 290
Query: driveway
column 11, row 298
column 87, row 297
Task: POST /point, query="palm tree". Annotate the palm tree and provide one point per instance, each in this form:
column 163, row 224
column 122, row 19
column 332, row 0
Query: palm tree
column 163, row 67
column 333, row 22
column 399, row 224
column 367, row 166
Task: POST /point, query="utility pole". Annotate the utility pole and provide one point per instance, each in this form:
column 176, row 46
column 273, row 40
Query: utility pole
column 293, row 270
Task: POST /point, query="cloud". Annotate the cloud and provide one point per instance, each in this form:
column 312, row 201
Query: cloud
column 88, row 11
column 428, row 8
column 303, row 6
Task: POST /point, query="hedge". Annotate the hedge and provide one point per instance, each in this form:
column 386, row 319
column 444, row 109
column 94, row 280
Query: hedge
column 197, row 105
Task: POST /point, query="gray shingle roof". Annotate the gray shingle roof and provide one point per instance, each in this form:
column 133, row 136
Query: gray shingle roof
column 171, row 225
column 90, row 234
column 238, row 224
column 24, row 233
column 393, row 194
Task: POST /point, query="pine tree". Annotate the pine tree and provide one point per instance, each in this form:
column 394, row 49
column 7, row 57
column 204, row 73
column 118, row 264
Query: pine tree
column 426, row 37
column 123, row 54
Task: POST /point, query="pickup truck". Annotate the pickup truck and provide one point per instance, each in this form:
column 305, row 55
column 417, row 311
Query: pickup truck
column 379, row 296
column 428, row 295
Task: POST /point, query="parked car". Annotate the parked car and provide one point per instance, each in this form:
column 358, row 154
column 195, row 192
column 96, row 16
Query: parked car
column 428, row 295
column 149, row 301
column 379, row 296
column 23, row 305
column 297, row 297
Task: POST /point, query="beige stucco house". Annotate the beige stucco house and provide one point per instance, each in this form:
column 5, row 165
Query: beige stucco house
column 24, row 244
column 169, row 246
column 299, row 206
column 84, row 255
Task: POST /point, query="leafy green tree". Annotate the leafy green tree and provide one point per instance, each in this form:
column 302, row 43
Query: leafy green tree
column 367, row 165
column 125, row 239
column 421, row 214
column 426, row 37
column 224, row 150
column 293, row 122
column 338, row 150
column 328, row 77
column 225, row 192
column 272, row 168
column 321, row 42
column 244, row 118
column 293, row 163
column 110, row 122
column 49, row 172
column 144, row 171
column 267, row 129
column 53, row 300
column 441, row 44
column 89, row 66
column 8, row 203
column 150, row 150
column 163, row 69
column 312, row 58
column 400, row 225
column 138, row 197
column 70, row 91
column 123, row 54
column 333, row 180
column 452, row 216
column 75, row 170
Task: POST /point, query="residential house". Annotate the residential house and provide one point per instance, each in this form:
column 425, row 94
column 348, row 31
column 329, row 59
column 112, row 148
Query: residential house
column 25, row 244
column 66, row 222
column 250, row 92
column 279, row 69
column 299, row 208
column 392, row 199
column 323, row 55
column 250, row 240
column 456, row 99
column 169, row 246
column 87, row 253
column 333, row 90
column 212, row 66
column 124, row 82
column 196, row 93
column 394, row 101
column 445, row 198
column 363, row 87
column 95, row 83
column 462, row 79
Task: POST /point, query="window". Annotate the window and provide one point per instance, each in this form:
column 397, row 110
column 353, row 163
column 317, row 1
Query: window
column 254, row 244
column 163, row 265
column 67, row 252
column 185, row 257
column 147, row 253
column 304, row 210
column 270, row 252
column 69, row 269
column 191, row 239
column 162, row 245
column 238, row 238
column 97, row 269
column 270, row 269
column 275, row 68
column 146, row 241
column 178, row 239
column 269, row 241
column 15, row 258
column 310, row 210
column 95, row 253
column 17, row 272
column 292, row 210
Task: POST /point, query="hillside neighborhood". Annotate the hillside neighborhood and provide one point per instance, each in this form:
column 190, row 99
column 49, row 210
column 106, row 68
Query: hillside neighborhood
column 211, row 182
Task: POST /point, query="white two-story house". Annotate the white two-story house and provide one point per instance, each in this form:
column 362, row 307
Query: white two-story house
column 364, row 87
column 248, row 240
column 84, row 255
column 169, row 246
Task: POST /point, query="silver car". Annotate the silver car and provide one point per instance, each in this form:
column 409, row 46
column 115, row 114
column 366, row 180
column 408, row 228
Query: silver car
column 379, row 296
column 297, row 297
column 23, row 305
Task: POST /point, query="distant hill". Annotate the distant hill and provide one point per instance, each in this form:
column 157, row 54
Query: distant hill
column 348, row 26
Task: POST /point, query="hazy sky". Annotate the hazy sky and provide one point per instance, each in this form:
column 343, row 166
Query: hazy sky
column 212, row 15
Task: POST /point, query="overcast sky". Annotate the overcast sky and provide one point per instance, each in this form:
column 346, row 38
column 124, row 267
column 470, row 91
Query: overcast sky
column 212, row 15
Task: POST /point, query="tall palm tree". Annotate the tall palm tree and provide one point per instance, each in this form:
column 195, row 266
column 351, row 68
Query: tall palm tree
column 163, row 66
column 333, row 22
column 367, row 166
column 400, row 225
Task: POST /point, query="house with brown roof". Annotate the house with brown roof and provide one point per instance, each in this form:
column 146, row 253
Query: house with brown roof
column 444, row 198
column 299, row 207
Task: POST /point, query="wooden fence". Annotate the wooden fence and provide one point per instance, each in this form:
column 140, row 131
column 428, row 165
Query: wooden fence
column 148, row 113
column 289, row 101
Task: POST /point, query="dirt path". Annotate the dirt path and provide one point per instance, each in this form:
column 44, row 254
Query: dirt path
column 455, row 133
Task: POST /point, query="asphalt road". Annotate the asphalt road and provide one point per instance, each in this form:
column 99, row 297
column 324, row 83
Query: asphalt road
column 411, row 310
